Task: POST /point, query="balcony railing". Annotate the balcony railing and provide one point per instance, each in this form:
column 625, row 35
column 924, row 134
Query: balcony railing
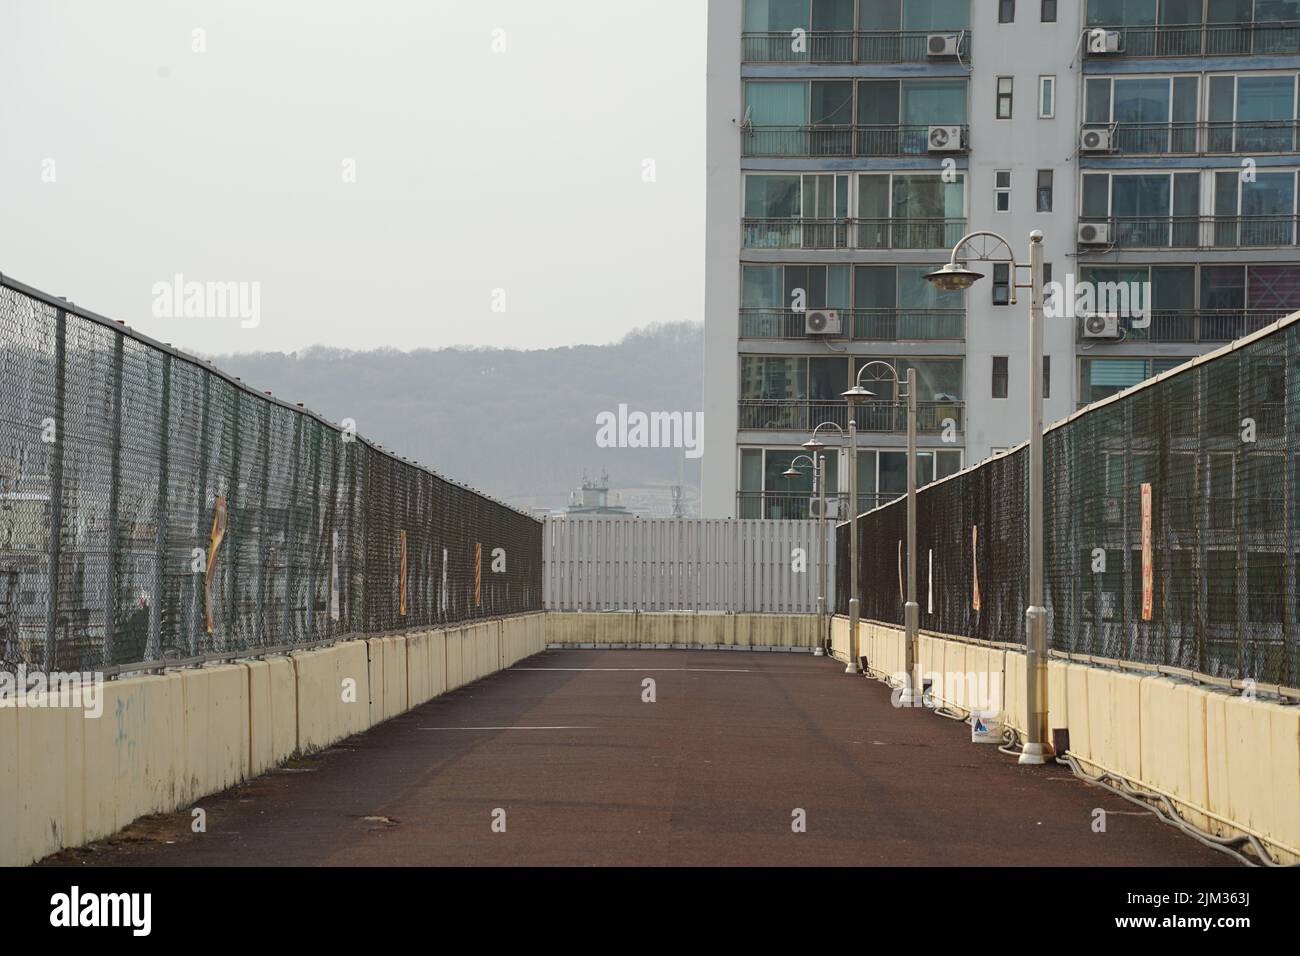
column 872, row 325
column 804, row 504
column 851, row 46
column 1204, row 138
column 887, row 417
column 1203, row 325
column 898, row 233
column 1205, row 39
column 1191, row 232
column 850, row 141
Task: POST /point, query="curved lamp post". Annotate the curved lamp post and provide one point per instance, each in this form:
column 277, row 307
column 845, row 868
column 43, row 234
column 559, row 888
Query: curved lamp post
column 903, row 388
column 986, row 246
column 817, row 457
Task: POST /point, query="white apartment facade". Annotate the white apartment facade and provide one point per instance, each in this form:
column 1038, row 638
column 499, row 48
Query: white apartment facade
column 851, row 143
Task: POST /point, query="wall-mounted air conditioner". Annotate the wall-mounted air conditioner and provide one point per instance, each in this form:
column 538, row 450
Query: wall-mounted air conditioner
column 1094, row 233
column 942, row 44
column 1101, row 327
column 1095, row 141
column 821, row 322
column 1102, row 41
column 945, row 139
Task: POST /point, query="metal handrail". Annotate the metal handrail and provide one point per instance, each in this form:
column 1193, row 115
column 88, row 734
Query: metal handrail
column 850, row 46
column 875, row 325
column 850, row 139
column 884, row 416
column 1194, row 232
column 1205, row 39
column 1204, row 137
column 876, row 233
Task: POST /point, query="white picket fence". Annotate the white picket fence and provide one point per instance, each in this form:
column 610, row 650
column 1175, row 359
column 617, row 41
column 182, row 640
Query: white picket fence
column 606, row 563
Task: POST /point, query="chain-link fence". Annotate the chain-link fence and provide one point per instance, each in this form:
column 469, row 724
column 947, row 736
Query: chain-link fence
column 153, row 509
column 1170, row 526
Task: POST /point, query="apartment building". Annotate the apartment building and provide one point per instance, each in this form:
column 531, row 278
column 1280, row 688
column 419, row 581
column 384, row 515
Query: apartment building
column 852, row 143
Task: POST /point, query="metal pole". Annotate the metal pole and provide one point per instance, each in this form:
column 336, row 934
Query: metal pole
column 1035, row 747
column 819, row 472
column 854, row 607
column 911, row 610
column 56, row 491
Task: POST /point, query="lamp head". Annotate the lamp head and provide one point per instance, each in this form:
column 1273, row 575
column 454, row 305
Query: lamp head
column 791, row 472
column 953, row 277
column 813, row 446
column 858, row 394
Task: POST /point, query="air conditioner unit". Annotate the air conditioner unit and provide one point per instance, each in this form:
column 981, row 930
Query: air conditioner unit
column 942, row 44
column 1095, row 141
column 832, row 507
column 1094, row 233
column 1102, row 41
column 945, row 139
column 821, row 322
column 1101, row 327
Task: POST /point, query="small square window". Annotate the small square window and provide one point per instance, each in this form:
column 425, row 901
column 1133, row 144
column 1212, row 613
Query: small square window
column 1005, row 87
column 1006, row 11
column 1002, row 190
column 1046, row 97
column 1001, row 377
column 1049, row 11
column 1001, row 283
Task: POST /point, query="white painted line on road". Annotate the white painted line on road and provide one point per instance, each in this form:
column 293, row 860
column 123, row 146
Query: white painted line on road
column 642, row 670
column 511, row 728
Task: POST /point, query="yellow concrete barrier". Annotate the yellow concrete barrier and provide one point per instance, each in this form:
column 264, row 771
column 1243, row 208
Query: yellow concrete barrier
column 272, row 713
column 9, row 786
column 333, row 694
column 50, row 766
column 216, row 729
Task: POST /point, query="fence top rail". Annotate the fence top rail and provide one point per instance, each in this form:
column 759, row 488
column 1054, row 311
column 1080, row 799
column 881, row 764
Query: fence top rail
column 121, row 328
column 1272, row 328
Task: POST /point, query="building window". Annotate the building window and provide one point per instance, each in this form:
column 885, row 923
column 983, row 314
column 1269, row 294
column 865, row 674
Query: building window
column 1046, row 97
column 1044, row 190
column 1006, row 11
column 1002, row 190
column 1047, row 376
column 1048, row 291
column 1049, row 11
column 1001, row 283
column 1004, row 97
column 1000, row 376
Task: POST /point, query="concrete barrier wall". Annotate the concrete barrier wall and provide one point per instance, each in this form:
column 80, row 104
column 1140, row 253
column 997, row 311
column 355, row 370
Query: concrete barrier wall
column 165, row 741
column 669, row 629
column 1230, row 764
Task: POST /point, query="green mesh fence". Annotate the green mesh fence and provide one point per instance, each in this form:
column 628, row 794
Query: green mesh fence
column 155, row 509
column 1213, row 447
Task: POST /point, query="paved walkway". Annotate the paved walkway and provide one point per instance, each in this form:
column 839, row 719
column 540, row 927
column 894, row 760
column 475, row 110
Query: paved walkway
column 710, row 773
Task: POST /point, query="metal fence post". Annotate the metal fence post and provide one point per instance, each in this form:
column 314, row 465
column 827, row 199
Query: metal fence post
column 153, row 650
column 56, row 488
column 114, row 491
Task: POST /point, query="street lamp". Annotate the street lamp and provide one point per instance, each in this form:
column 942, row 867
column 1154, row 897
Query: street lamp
column 817, row 451
column 819, row 488
column 990, row 247
column 903, row 388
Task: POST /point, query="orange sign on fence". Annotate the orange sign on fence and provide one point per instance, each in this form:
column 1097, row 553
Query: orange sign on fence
column 214, row 545
column 975, row 567
column 1148, row 571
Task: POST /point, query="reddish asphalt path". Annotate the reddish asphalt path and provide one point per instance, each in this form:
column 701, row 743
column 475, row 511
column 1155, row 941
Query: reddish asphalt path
column 710, row 773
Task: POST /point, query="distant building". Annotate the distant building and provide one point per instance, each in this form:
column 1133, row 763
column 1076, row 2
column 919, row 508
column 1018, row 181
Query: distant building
column 593, row 499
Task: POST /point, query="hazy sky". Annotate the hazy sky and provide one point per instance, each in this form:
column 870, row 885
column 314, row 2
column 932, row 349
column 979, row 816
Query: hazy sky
column 128, row 157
